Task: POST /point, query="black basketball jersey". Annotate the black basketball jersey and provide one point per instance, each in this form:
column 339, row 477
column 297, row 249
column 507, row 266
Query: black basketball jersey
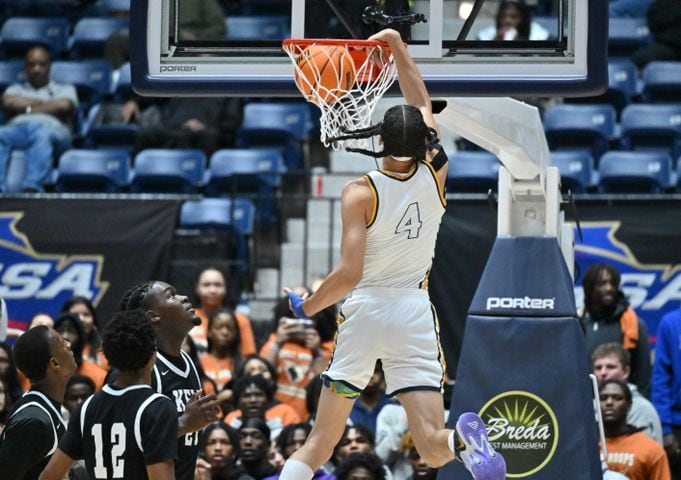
column 118, row 432
column 30, row 437
column 178, row 379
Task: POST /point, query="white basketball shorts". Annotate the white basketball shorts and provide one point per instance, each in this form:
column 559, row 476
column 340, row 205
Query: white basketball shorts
column 397, row 326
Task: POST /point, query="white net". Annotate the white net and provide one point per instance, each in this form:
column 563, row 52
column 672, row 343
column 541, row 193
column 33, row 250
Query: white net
column 345, row 80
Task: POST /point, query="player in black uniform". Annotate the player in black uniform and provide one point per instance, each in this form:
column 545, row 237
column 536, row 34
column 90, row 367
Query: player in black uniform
column 174, row 374
column 36, row 425
column 126, row 430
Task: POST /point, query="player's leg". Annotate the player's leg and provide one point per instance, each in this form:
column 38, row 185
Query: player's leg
column 332, row 414
column 425, row 415
column 436, row 444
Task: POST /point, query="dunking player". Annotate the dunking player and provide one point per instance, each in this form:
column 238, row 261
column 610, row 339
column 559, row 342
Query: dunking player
column 125, row 430
column 174, row 374
column 390, row 219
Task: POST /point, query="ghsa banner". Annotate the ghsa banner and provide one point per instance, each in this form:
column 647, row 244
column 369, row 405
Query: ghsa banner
column 53, row 249
column 652, row 289
column 33, row 282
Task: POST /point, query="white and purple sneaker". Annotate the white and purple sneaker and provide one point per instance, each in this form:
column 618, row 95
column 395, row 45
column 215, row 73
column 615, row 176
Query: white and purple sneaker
column 475, row 451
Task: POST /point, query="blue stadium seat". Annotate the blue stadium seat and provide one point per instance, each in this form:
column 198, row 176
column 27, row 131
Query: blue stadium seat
column 92, row 79
column 114, row 6
column 623, row 85
column 236, row 215
column 284, row 125
column 11, row 71
column 168, row 171
column 256, row 172
column 622, row 82
column 662, row 82
column 473, row 172
column 105, row 171
column 576, row 170
column 258, row 27
column 652, row 127
column 19, row 34
column 634, row 172
column 626, row 35
column 580, row 127
column 244, row 171
column 117, row 135
column 90, row 35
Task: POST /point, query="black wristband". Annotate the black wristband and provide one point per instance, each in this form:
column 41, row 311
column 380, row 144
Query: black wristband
column 440, row 159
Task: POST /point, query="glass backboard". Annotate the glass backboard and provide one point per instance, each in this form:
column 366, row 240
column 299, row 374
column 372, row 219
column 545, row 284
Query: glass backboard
column 455, row 43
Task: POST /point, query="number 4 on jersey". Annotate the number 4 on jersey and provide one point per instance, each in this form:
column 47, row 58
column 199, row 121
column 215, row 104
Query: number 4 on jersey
column 410, row 221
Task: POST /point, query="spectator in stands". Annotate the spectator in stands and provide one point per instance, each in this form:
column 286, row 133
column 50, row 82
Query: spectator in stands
column 83, row 307
column 630, row 451
column 219, row 452
column 224, row 352
column 204, row 123
column 224, row 346
column 78, row 390
column 667, row 386
column 298, row 351
column 35, row 426
column 291, row 438
column 254, row 440
column 211, row 292
column 371, row 400
column 256, row 365
column 5, row 405
column 366, row 466
column 608, row 317
column 69, row 326
column 611, row 361
column 8, row 372
column 664, row 24
column 391, row 426
column 254, row 397
column 514, row 22
column 421, row 471
column 41, row 319
column 40, row 116
column 355, row 439
column 628, row 8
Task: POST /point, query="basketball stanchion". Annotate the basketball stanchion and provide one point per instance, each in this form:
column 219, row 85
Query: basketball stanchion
column 345, row 79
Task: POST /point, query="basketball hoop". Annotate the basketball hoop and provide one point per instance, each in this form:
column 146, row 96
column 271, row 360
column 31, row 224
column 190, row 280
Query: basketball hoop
column 346, row 98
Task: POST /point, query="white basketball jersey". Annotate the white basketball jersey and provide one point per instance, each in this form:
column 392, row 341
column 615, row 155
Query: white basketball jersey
column 402, row 232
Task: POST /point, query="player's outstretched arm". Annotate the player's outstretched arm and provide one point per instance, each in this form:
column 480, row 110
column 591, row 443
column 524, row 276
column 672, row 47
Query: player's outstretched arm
column 356, row 202
column 409, row 76
column 58, row 466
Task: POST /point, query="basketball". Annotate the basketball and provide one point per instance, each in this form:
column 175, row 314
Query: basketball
column 324, row 73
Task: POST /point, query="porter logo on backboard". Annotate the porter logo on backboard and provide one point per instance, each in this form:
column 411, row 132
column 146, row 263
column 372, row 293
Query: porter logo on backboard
column 523, row 428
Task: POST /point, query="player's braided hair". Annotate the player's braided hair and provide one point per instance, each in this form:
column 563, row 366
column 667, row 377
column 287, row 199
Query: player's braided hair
column 136, row 297
column 404, row 134
column 129, row 340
